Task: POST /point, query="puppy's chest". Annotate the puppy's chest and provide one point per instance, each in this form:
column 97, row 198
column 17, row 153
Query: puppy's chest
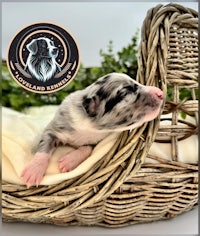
column 46, row 67
column 81, row 137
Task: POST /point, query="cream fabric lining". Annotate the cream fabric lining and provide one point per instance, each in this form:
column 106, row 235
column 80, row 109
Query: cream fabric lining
column 20, row 132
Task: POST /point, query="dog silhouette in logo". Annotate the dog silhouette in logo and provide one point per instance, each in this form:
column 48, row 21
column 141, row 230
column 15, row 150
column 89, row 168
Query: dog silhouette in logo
column 41, row 62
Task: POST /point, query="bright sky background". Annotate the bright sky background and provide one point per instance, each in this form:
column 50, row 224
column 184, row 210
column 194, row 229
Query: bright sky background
column 93, row 24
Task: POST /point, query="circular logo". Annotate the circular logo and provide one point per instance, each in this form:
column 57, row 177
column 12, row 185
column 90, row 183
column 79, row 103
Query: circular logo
column 43, row 58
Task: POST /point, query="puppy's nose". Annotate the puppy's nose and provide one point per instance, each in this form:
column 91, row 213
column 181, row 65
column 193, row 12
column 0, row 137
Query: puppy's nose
column 155, row 91
column 159, row 94
column 55, row 50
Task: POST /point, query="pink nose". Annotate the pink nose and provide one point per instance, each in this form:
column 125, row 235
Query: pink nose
column 156, row 91
column 160, row 94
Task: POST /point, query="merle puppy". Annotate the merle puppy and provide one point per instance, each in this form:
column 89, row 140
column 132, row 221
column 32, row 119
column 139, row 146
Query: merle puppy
column 41, row 62
column 113, row 103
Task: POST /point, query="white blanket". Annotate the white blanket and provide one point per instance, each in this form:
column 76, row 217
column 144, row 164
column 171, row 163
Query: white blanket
column 20, row 132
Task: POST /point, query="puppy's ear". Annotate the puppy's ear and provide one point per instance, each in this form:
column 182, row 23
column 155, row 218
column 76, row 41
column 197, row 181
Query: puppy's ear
column 32, row 46
column 91, row 105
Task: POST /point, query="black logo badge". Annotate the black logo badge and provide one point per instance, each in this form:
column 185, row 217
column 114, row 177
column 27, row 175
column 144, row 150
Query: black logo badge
column 43, row 58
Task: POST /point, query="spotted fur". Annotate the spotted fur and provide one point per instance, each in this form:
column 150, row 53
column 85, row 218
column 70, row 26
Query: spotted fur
column 113, row 103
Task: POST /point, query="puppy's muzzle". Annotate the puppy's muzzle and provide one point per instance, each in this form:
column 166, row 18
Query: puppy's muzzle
column 54, row 52
column 154, row 96
column 155, row 92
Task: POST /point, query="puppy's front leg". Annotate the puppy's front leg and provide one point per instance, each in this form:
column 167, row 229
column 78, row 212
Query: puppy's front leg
column 71, row 160
column 35, row 170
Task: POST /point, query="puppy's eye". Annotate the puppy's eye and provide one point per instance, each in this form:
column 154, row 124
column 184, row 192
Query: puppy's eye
column 128, row 90
column 132, row 88
column 51, row 43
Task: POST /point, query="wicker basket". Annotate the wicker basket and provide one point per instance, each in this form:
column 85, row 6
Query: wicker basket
column 121, row 189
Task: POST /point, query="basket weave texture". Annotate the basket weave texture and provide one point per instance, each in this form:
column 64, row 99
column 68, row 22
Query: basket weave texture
column 121, row 189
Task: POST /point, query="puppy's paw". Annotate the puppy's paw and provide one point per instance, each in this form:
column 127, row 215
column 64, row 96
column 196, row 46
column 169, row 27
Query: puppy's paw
column 70, row 161
column 66, row 163
column 35, row 170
